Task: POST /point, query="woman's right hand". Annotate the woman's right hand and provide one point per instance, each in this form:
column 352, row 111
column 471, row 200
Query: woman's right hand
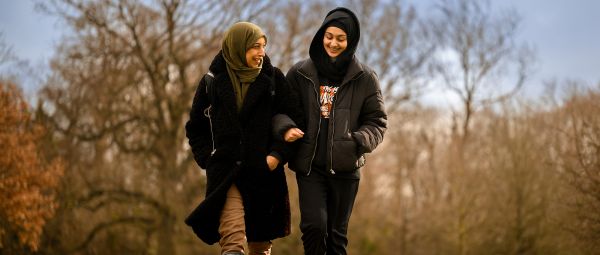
column 293, row 134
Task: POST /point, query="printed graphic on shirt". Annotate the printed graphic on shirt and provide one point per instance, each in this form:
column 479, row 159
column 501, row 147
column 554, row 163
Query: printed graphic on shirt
column 327, row 95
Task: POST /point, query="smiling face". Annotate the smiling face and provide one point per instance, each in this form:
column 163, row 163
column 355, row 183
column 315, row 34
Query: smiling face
column 256, row 53
column 335, row 41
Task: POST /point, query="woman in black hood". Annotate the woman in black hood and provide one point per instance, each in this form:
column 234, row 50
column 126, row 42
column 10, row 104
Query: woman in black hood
column 344, row 119
column 334, row 68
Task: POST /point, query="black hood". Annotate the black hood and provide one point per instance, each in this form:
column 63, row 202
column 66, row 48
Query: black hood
column 346, row 20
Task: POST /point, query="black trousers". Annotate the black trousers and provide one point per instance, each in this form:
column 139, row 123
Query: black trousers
column 325, row 207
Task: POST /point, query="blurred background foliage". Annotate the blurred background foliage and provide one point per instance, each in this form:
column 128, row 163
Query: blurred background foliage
column 99, row 164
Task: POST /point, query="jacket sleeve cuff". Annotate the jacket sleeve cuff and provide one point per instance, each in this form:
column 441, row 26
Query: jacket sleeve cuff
column 281, row 124
column 276, row 155
column 359, row 139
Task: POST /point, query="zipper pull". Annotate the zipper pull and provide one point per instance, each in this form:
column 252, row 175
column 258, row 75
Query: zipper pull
column 331, row 171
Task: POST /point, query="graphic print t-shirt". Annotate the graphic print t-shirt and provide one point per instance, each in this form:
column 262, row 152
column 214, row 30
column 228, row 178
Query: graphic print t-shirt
column 326, row 95
column 327, row 91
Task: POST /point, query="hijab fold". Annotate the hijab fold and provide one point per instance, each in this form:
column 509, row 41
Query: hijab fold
column 238, row 39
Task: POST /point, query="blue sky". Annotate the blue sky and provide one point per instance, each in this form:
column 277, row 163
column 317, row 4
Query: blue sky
column 565, row 34
column 31, row 34
column 32, row 37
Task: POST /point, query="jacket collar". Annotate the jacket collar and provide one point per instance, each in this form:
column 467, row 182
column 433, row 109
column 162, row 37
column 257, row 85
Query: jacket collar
column 309, row 70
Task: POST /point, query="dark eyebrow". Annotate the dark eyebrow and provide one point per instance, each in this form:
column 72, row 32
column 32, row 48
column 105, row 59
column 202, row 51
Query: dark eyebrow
column 338, row 36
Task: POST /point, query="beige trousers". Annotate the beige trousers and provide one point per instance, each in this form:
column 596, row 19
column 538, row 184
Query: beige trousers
column 233, row 230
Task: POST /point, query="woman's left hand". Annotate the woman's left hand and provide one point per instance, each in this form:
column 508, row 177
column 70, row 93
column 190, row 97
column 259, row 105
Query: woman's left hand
column 272, row 162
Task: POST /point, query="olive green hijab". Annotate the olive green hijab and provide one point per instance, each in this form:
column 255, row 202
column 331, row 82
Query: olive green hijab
column 238, row 39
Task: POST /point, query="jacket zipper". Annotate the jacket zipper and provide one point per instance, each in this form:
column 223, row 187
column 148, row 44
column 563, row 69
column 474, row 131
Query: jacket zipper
column 318, row 126
column 333, row 124
column 332, row 133
column 212, row 136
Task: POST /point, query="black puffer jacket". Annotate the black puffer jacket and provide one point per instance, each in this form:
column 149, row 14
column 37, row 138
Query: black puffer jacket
column 242, row 142
column 357, row 124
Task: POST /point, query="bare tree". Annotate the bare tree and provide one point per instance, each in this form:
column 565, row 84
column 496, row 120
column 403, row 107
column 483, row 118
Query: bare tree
column 473, row 183
column 477, row 55
column 580, row 159
column 520, row 185
column 477, row 49
column 398, row 45
column 290, row 30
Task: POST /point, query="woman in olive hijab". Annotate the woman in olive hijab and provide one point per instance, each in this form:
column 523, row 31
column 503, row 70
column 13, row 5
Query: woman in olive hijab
column 230, row 134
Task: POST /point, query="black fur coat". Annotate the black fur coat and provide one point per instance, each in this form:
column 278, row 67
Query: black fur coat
column 242, row 142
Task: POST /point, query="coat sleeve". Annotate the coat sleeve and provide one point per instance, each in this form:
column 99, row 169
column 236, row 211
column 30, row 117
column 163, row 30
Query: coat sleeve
column 197, row 128
column 373, row 118
column 281, row 124
column 294, row 116
column 287, row 114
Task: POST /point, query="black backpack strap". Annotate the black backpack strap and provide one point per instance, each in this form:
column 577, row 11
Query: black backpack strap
column 209, row 79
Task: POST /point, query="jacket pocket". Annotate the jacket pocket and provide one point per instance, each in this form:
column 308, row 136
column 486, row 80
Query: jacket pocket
column 217, row 157
column 345, row 157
